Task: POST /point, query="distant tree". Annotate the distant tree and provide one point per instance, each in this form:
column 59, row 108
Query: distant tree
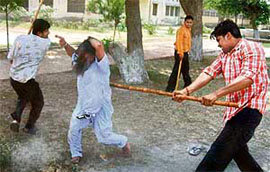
column 195, row 8
column 258, row 12
column 111, row 10
column 224, row 7
column 7, row 6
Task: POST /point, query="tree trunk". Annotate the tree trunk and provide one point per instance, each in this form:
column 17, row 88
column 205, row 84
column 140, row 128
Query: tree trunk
column 256, row 33
column 114, row 31
column 7, row 27
column 195, row 8
column 130, row 69
column 236, row 18
column 134, row 44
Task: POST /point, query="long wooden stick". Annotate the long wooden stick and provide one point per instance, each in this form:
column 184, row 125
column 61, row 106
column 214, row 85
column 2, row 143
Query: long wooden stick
column 36, row 15
column 178, row 74
column 164, row 93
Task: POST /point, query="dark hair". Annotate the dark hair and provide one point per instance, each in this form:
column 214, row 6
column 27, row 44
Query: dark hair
column 84, row 47
column 40, row 25
column 188, row 17
column 224, row 27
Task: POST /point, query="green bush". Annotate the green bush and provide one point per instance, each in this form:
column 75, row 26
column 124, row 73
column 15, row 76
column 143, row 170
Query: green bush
column 90, row 23
column 45, row 13
column 76, row 24
column 151, row 29
column 18, row 14
column 106, row 42
column 170, row 31
column 121, row 27
column 206, row 30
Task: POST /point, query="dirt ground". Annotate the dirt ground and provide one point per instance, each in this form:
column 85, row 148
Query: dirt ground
column 160, row 131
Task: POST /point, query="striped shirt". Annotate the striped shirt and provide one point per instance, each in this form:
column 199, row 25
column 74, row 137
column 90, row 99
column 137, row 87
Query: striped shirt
column 245, row 59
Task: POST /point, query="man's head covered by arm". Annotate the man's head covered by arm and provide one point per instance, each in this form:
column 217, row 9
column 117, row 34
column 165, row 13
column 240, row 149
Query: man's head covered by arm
column 86, row 54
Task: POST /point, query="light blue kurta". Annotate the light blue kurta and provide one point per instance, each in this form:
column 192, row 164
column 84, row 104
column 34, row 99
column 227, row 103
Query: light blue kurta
column 94, row 98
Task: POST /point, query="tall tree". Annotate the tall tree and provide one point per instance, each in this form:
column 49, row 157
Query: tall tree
column 7, row 6
column 195, row 8
column 224, row 7
column 111, row 10
column 130, row 60
column 257, row 11
column 134, row 39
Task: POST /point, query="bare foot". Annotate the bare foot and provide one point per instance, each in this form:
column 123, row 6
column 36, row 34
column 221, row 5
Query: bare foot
column 126, row 150
column 75, row 160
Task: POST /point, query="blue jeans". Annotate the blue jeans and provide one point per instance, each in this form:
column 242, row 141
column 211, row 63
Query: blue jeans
column 232, row 144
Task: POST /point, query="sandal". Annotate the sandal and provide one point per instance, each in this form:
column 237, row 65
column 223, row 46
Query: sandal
column 194, row 151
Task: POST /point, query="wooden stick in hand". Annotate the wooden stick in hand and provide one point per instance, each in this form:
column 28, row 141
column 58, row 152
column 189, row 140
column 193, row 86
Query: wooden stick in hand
column 36, row 15
column 164, row 93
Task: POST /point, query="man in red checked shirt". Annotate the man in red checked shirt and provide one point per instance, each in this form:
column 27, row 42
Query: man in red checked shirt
column 243, row 66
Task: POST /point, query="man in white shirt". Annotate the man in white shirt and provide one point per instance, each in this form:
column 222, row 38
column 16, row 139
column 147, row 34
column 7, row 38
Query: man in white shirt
column 94, row 105
column 25, row 56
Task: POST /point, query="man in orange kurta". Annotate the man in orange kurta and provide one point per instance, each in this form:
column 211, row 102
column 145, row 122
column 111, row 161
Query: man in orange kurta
column 182, row 47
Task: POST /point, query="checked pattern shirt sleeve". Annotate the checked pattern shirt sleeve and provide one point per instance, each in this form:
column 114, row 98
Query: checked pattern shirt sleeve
column 215, row 68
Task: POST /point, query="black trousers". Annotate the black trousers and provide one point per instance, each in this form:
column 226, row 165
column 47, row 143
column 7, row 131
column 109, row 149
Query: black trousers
column 231, row 144
column 28, row 92
column 184, row 72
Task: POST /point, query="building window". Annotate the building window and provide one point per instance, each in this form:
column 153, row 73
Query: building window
column 167, row 10
column 172, row 11
column 48, row 3
column 76, row 6
column 211, row 13
column 177, row 11
column 155, row 8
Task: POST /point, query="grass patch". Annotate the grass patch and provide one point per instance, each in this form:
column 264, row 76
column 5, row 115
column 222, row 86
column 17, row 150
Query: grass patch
column 266, row 45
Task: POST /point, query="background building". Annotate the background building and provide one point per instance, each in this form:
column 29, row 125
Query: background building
column 162, row 12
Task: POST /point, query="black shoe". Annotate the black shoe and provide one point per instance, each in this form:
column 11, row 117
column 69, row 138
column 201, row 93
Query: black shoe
column 15, row 126
column 32, row 130
column 14, row 116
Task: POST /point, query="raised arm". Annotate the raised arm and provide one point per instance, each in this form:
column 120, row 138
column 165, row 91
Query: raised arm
column 98, row 47
column 62, row 42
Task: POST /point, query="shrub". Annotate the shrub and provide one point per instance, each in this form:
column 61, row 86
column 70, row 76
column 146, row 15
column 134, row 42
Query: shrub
column 170, row 30
column 150, row 28
column 106, row 42
column 121, row 27
column 206, row 30
column 45, row 13
column 19, row 13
